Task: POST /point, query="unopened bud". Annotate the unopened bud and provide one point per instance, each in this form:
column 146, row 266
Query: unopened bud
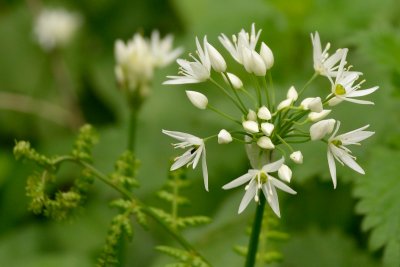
column 198, row 99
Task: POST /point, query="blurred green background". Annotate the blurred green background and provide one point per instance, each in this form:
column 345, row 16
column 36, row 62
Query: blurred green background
column 358, row 224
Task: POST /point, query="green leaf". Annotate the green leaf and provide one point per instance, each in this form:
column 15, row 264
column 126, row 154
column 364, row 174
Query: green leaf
column 379, row 201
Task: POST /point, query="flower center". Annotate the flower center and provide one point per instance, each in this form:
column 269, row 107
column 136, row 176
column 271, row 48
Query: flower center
column 339, row 90
column 263, row 178
column 336, row 142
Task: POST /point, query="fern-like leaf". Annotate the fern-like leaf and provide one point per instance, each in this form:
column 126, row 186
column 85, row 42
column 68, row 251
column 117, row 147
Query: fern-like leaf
column 184, row 257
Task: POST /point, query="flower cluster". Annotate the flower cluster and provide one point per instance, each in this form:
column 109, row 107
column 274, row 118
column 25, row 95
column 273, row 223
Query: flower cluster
column 137, row 59
column 268, row 128
column 55, row 28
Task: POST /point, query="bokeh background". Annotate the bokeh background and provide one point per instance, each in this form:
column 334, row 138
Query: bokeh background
column 358, row 224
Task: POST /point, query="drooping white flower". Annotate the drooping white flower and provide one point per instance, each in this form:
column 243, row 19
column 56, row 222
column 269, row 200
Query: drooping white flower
column 312, row 103
column 250, row 126
column 316, row 116
column 260, row 179
column 264, row 113
column 253, row 62
column 192, row 156
column 134, row 62
column 267, row 55
column 265, row 143
column 55, row 27
column 322, row 128
column 345, row 87
column 196, row 71
column 162, row 49
column 324, row 64
column 292, row 93
column 241, row 42
column 217, row 61
column 297, row 157
column 267, row 128
column 284, row 104
column 198, row 99
column 285, row 173
column 234, row 80
column 252, row 116
column 224, row 137
column 337, row 149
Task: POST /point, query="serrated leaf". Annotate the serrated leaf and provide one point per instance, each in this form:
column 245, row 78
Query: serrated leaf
column 379, row 201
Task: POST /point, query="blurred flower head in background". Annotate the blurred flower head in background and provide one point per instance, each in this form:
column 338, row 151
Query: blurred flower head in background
column 55, row 27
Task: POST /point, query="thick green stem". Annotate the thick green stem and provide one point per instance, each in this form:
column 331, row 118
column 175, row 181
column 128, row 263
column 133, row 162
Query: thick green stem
column 132, row 128
column 255, row 235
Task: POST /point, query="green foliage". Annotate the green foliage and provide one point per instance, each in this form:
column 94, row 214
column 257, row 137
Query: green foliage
column 270, row 240
column 379, row 202
column 185, row 258
column 125, row 171
column 84, row 143
column 23, row 151
column 171, row 194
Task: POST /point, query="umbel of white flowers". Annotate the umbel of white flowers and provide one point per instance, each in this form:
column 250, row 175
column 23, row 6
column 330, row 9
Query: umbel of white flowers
column 55, row 27
column 268, row 127
column 138, row 57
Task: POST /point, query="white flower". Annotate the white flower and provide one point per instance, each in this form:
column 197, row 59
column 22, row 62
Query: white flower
column 261, row 179
column 192, row 156
column 196, row 71
column 322, row 128
column 292, row 93
column 285, row 173
column 312, row 103
column 316, row 116
column 284, row 104
column 264, row 113
column 253, row 62
column 265, row 143
column 239, row 43
column 134, row 62
column 337, row 149
column 217, row 61
column 267, row 128
column 234, row 80
column 161, row 49
column 323, row 63
column 224, row 137
column 250, row 126
column 252, row 116
column 55, row 27
column 345, row 88
column 198, row 99
column 297, row 157
column 267, row 55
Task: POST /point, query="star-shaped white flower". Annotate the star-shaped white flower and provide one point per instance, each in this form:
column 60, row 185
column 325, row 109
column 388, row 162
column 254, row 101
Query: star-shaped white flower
column 192, row 156
column 196, row 71
column 241, row 43
column 261, row 180
column 345, row 87
column 162, row 49
column 324, row 64
column 337, row 149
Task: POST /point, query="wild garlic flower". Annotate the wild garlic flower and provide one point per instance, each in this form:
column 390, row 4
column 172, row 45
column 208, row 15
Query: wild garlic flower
column 337, row 149
column 192, row 156
column 261, row 180
column 54, row 28
column 137, row 59
column 270, row 127
column 196, row 71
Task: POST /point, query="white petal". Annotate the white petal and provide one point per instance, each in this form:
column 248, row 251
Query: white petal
column 358, row 101
column 347, row 159
column 198, row 153
column 239, row 181
column 274, row 166
column 204, row 169
column 332, row 167
column 272, row 198
column 184, row 159
column 248, row 196
column 364, row 92
column 179, row 135
column 282, row 186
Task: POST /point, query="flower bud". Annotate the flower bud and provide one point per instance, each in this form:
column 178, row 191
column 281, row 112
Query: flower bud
column 297, row 157
column 292, row 93
column 265, row 142
column 119, row 75
column 217, row 61
column 198, row 99
column 267, row 128
column 250, row 126
column 252, row 116
column 284, row 104
column 224, row 137
column 320, row 129
column 316, row 116
column 315, row 105
column 235, row 80
column 264, row 113
column 285, row 173
column 267, row 55
column 253, row 62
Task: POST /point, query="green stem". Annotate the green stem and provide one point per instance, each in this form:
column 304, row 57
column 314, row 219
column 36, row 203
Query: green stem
column 266, row 92
column 132, row 128
column 255, row 234
column 223, row 114
column 258, row 90
column 271, row 85
column 307, row 84
column 234, row 90
column 228, row 95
